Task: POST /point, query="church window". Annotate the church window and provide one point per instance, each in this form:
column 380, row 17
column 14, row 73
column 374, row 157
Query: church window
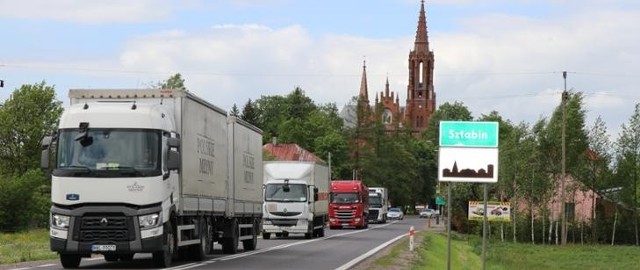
column 420, row 70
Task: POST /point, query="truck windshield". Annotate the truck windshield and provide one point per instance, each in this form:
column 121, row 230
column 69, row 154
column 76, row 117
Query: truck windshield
column 375, row 201
column 345, row 197
column 109, row 153
column 278, row 193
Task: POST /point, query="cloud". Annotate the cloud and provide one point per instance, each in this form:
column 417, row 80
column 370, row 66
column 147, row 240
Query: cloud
column 87, row 11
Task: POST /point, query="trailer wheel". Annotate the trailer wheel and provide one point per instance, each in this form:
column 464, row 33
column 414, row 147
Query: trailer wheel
column 266, row 236
column 70, row 260
column 163, row 258
column 251, row 244
column 230, row 244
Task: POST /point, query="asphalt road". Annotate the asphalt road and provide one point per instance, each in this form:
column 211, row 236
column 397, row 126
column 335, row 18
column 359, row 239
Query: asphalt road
column 339, row 249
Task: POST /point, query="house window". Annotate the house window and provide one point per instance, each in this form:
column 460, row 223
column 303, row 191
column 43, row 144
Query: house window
column 569, row 211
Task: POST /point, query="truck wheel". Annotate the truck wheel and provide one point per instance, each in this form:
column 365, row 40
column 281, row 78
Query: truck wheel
column 199, row 252
column 251, row 244
column 266, row 236
column 163, row 258
column 310, row 231
column 230, row 244
column 70, row 260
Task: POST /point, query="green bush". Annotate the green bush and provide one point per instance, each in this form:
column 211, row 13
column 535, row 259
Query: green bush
column 24, row 201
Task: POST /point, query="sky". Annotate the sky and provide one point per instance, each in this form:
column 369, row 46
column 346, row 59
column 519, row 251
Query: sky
column 491, row 55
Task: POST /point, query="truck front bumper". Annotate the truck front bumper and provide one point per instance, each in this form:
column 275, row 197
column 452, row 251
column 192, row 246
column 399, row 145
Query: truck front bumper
column 106, row 247
column 354, row 222
column 105, row 230
column 290, row 226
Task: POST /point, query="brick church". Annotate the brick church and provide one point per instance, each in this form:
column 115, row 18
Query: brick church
column 421, row 98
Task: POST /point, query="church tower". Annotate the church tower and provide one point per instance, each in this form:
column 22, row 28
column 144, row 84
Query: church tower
column 421, row 98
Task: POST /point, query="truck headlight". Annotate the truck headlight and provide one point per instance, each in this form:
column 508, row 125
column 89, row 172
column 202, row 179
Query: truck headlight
column 60, row 221
column 149, row 220
column 266, row 222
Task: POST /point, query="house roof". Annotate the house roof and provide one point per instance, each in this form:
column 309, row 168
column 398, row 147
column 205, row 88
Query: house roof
column 290, row 152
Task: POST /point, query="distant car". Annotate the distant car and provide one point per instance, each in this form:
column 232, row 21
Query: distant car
column 427, row 213
column 395, row 213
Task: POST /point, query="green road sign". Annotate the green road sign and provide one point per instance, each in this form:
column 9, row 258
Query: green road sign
column 439, row 201
column 468, row 134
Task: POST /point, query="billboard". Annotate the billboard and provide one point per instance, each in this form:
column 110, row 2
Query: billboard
column 496, row 211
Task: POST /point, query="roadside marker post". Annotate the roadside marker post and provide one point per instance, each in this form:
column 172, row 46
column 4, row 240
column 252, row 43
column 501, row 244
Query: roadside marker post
column 411, row 234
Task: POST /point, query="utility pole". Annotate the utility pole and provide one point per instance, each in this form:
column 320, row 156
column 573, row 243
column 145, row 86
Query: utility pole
column 565, row 95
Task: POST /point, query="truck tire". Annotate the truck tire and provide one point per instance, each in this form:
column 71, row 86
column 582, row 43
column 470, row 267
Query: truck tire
column 311, row 232
column 230, row 244
column 70, row 260
column 251, row 244
column 266, row 236
column 199, row 252
column 164, row 258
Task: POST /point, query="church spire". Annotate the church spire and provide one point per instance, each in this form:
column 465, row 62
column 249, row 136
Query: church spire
column 363, row 84
column 422, row 41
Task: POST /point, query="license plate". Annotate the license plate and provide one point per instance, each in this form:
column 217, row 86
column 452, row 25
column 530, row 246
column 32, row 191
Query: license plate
column 103, row 248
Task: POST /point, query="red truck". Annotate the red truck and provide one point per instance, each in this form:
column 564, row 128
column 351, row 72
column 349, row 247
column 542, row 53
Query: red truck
column 349, row 204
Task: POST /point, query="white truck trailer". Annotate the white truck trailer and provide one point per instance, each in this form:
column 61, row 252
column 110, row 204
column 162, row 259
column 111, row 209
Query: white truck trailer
column 151, row 171
column 296, row 198
column 378, row 204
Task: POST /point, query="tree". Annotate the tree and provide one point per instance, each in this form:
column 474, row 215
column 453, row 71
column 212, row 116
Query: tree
column 234, row 111
column 30, row 113
column 174, row 82
column 629, row 163
column 249, row 113
column 598, row 160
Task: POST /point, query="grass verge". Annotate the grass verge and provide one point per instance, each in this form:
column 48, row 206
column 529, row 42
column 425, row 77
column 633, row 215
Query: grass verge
column 466, row 253
column 25, row 246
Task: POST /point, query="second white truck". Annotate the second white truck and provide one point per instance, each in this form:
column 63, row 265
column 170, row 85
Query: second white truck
column 295, row 198
column 378, row 204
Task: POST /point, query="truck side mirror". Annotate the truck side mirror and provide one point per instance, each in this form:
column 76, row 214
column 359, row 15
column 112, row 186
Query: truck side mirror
column 173, row 160
column 44, row 157
column 173, row 142
column 315, row 194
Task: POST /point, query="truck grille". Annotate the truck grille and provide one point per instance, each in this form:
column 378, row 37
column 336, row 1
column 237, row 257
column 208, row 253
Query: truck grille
column 284, row 222
column 345, row 215
column 105, row 227
column 373, row 214
column 285, row 214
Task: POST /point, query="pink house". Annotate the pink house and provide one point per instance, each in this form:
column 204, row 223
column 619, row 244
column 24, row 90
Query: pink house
column 580, row 202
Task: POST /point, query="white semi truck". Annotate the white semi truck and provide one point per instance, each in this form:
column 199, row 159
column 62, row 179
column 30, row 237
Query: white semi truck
column 155, row 171
column 296, row 198
column 378, row 204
